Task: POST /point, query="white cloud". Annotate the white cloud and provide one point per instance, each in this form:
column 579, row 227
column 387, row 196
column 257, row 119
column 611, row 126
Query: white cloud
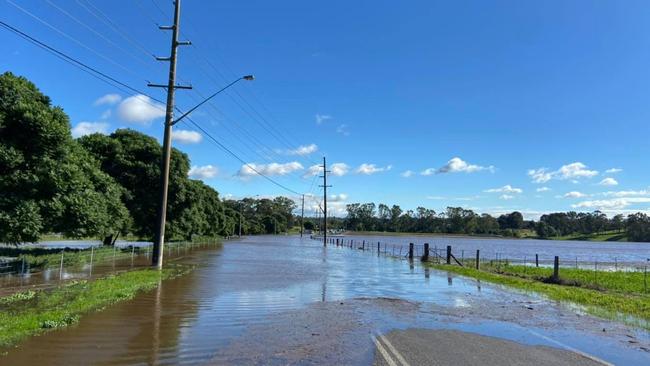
column 303, row 150
column 320, row 118
column 203, row 172
column 336, row 169
column 571, row 172
column 186, row 136
column 339, row 169
column 312, row 171
column 608, row 182
column 343, row 130
column 540, row 175
column 613, row 170
column 407, row 174
column 505, row 189
column 642, row 192
column 337, row 198
column 542, row 189
column 506, row 197
column 457, row 165
column 87, row 128
column 249, row 170
column 574, row 194
column 140, row 109
column 108, row 99
column 612, row 204
column 369, row 169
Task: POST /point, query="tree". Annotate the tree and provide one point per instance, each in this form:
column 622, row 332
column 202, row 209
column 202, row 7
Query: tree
column 133, row 160
column 47, row 182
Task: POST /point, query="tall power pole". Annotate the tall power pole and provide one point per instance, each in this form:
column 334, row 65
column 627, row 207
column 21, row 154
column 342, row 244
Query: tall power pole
column 157, row 255
column 240, row 213
column 302, row 216
column 324, row 176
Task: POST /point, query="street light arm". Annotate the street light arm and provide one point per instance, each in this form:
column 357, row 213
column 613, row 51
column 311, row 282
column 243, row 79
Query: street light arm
column 247, row 77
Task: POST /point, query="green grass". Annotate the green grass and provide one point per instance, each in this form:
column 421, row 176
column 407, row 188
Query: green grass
column 615, row 295
column 606, row 236
column 30, row 313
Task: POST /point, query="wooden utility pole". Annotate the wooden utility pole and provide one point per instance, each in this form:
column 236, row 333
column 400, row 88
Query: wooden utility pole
column 157, row 255
column 324, row 176
column 302, row 216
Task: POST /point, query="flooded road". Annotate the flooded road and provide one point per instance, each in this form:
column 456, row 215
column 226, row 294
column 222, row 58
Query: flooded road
column 283, row 300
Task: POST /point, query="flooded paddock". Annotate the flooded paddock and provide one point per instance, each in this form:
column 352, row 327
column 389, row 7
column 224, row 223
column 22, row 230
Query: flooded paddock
column 284, row 300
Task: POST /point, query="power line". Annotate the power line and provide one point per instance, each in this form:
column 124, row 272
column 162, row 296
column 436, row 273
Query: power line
column 106, row 78
column 72, row 38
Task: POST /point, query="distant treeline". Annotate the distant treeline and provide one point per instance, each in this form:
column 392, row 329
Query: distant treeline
column 457, row 220
column 104, row 186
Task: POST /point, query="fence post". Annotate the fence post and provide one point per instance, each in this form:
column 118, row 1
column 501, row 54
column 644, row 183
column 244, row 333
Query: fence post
column 378, row 248
column 61, row 266
column 448, row 254
column 363, row 245
column 478, row 259
column 645, row 278
column 536, row 260
column 556, row 268
column 337, row 242
column 92, row 253
column 425, row 254
column 410, row 250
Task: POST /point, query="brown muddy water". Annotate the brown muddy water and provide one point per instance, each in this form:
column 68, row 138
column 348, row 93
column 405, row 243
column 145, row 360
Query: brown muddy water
column 285, row 300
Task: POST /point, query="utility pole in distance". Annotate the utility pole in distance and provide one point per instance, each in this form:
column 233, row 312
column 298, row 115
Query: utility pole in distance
column 240, row 213
column 302, row 216
column 157, row 254
column 324, row 176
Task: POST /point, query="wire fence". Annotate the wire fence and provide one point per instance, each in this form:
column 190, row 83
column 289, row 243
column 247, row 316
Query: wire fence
column 585, row 272
column 49, row 270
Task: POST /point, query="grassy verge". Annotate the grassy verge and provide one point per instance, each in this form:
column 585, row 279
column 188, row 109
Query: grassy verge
column 615, row 296
column 33, row 312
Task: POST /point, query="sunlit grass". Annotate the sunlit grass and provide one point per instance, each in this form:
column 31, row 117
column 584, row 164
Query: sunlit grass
column 617, row 296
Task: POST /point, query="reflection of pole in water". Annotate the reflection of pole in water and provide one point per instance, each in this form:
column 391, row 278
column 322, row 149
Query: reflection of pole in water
column 155, row 347
column 478, row 285
column 323, row 291
column 449, row 280
column 426, row 273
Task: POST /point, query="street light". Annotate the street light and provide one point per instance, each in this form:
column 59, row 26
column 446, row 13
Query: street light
column 245, row 77
column 157, row 254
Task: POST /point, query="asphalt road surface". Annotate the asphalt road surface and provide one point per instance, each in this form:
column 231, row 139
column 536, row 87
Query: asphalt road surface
column 451, row 347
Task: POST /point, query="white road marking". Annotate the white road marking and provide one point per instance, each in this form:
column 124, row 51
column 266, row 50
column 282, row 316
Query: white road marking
column 379, row 339
column 384, row 353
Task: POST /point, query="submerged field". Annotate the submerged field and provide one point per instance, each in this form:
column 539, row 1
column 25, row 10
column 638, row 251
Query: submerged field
column 30, row 313
column 611, row 294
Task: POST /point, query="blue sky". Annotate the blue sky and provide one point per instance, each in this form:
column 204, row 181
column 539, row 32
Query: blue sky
column 495, row 106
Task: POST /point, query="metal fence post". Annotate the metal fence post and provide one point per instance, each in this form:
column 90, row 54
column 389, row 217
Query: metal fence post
column 410, row 250
column 536, row 260
column 556, row 268
column 478, row 259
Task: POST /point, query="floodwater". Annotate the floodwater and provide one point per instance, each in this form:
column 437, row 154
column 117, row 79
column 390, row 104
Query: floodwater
column 585, row 252
column 286, row 300
column 120, row 261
